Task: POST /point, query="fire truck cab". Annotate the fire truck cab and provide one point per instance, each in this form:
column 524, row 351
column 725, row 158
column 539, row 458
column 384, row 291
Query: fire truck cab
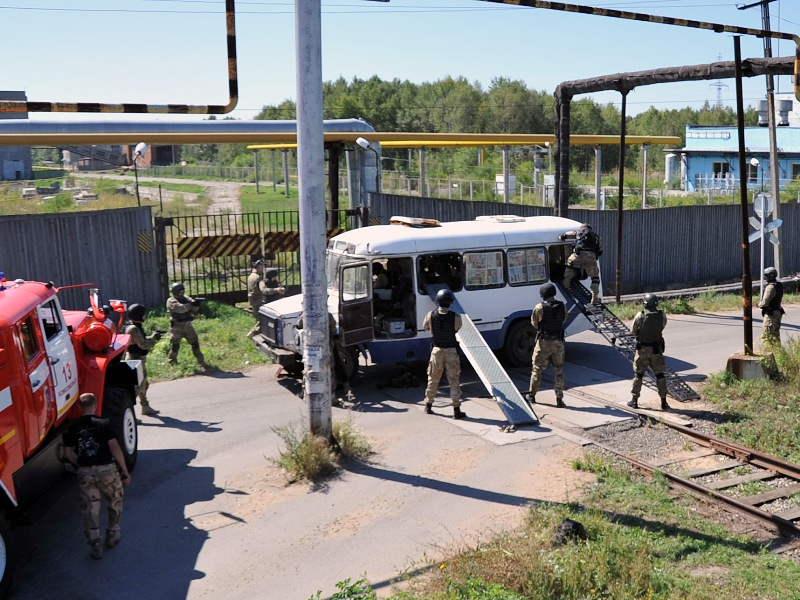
column 48, row 357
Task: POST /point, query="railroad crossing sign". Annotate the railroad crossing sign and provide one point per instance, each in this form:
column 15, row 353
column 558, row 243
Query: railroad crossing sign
column 763, row 205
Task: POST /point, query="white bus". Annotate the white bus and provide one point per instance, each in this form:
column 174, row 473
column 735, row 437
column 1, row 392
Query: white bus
column 494, row 265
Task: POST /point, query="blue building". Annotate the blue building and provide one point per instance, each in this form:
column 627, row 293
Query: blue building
column 710, row 159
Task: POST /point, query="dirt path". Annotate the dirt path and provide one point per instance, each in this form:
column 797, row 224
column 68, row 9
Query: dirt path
column 224, row 194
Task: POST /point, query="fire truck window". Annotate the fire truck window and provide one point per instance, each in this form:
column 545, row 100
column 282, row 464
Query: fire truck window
column 50, row 320
column 28, row 338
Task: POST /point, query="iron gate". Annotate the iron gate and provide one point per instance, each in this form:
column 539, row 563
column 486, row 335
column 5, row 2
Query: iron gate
column 213, row 254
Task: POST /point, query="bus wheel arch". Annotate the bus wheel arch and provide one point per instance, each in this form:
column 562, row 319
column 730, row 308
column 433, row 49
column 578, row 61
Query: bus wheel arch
column 519, row 342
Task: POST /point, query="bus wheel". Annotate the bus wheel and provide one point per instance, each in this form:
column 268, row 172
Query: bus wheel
column 349, row 360
column 518, row 347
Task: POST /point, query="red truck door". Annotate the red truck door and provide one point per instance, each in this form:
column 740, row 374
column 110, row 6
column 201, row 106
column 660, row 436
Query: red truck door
column 33, row 410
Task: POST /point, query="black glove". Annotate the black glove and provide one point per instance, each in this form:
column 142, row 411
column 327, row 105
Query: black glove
column 157, row 335
column 562, row 237
column 195, row 302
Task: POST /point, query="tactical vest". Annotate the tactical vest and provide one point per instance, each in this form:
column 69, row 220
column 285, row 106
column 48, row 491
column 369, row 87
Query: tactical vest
column 443, row 329
column 181, row 317
column 551, row 326
column 587, row 240
column 775, row 303
column 135, row 351
column 651, row 327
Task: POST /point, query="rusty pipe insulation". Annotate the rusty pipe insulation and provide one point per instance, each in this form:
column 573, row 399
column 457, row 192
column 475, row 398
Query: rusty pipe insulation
column 12, row 106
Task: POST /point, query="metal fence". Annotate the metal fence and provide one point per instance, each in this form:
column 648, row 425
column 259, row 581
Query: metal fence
column 114, row 249
column 662, row 248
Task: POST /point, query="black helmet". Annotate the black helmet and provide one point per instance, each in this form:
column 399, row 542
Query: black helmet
column 585, row 226
column 771, row 273
column 548, row 290
column 258, row 263
column 650, row 300
column 136, row 312
column 178, row 287
column 444, row 298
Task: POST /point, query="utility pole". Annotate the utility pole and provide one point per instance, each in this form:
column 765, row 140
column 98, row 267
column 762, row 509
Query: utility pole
column 774, row 167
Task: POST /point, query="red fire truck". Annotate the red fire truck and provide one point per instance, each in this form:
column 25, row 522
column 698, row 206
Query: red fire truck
column 48, row 357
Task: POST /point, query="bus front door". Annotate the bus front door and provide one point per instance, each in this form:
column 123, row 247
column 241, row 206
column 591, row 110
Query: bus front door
column 355, row 303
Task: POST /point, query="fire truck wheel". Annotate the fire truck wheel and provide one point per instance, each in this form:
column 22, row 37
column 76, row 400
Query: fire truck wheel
column 6, row 557
column 118, row 407
column 519, row 343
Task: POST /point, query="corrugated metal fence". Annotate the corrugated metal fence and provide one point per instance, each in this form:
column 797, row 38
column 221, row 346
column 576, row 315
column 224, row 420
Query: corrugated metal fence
column 662, row 248
column 114, row 249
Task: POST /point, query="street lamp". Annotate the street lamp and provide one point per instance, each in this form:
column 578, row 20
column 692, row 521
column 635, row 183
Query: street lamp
column 141, row 148
column 367, row 146
column 755, row 163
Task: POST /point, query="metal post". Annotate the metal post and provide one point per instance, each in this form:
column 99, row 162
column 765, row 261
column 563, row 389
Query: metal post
column 255, row 166
column 747, row 281
column 422, row 172
column 598, row 166
column 136, row 177
column 311, row 179
column 644, row 174
column 274, row 174
column 620, row 193
column 506, row 191
column 286, row 172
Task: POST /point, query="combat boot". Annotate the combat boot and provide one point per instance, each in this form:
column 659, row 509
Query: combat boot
column 634, row 403
column 97, row 549
column 595, row 299
column 458, row 414
column 560, row 403
column 429, row 409
column 147, row 410
column 664, row 405
column 112, row 538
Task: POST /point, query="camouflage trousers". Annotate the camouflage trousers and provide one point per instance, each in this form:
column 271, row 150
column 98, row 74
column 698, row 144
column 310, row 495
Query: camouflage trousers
column 444, row 360
column 771, row 330
column 548, row 352
column 646, row 358
column 257, row 327
column 95, row 484
column 181, row 330
column 586, row 261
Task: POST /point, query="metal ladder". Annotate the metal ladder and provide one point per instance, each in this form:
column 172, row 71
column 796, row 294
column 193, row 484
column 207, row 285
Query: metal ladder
column 619, row 336
column 488, row 367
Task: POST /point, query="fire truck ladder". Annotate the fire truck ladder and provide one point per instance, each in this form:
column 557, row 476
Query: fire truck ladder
column 619, row 336
column 488, row 368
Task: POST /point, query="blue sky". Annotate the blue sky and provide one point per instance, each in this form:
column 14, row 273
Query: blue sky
column 173, row 51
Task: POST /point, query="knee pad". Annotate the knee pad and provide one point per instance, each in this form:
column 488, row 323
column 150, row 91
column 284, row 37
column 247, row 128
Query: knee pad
column 660, row 376
column 595, row 280
column 639, row 375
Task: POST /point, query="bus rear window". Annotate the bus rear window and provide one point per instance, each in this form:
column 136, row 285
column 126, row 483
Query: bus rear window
column 484, row 270
column 527, row 266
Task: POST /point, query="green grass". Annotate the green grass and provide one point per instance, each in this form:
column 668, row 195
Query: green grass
column 706, row 302
column 222, row 330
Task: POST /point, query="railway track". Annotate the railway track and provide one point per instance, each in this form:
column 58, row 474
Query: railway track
column 761, row 486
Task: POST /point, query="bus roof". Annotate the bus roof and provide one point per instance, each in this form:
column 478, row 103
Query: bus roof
column 499, row 231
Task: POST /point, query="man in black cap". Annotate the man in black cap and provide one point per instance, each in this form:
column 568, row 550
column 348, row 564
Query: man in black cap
column 271, row 288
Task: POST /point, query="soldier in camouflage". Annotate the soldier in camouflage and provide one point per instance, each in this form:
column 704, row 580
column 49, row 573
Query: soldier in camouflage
column 91, row 446
column 443, row 325
column 254, row 295
column 648, row 327
column 182, row 310
column 771, row 309
column 585, row 252
column 138, row 348
column 548, row 319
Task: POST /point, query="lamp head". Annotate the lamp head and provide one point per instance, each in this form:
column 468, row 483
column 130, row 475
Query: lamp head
column 141, row 148
column 754, row 161
column 363, row 143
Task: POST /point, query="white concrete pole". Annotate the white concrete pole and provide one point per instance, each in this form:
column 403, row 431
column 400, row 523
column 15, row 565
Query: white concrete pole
column 645, row 148
column 506, row 191
column 311, row 179
column 598, row 180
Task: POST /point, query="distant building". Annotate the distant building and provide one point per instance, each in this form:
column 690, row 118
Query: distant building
column 710, row 159
column 15, row 161
column 104, row 157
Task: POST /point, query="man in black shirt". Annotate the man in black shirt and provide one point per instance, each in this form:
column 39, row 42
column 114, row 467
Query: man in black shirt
column 90, row 445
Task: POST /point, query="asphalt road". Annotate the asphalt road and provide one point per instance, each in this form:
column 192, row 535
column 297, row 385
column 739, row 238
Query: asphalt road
column 208, row 515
